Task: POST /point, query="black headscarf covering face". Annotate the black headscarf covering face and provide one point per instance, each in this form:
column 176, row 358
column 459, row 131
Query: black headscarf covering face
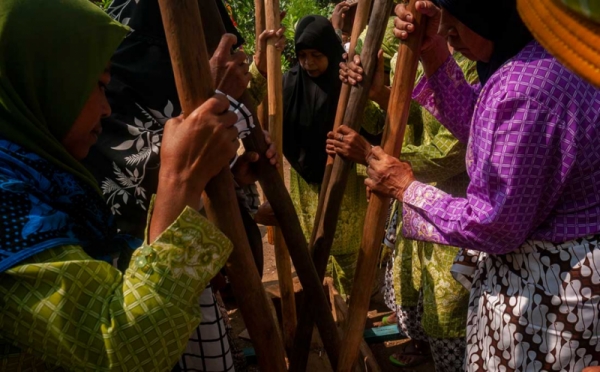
column 310, row 103
column 495, row 20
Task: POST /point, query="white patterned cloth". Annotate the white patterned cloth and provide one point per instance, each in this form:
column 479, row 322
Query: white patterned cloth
column 208, row 348
column 536, row 309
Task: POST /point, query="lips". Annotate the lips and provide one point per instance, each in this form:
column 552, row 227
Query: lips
column 97, row 131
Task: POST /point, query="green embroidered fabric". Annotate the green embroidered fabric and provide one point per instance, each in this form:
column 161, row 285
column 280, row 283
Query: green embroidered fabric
column 76, row 313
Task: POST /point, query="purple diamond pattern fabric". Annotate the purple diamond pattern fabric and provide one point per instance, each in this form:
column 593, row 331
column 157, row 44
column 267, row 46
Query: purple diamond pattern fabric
column 533, row 157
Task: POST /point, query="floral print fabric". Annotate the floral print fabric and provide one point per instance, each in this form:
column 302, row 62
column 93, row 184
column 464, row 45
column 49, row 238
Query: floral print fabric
column 536, row 309
column 420, row 271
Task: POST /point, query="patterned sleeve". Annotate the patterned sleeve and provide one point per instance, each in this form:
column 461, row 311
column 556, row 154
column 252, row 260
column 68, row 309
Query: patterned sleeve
column 444, row 156
column 449, row 97
column 512, row 165
column 83, row 314
column 257, row 87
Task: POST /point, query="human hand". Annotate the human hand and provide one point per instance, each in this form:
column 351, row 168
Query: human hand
column 387, row 175
column 403, row 23
column 265, row 215
column 271, row 153
column 196, row 148
column 244, row 171
column 229, row 71
column 339, row 13
column 348, row 144
column 260, row 56
column 351, row 72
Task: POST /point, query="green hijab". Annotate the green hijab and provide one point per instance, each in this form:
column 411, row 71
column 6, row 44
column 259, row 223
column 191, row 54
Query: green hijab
column 51, row 55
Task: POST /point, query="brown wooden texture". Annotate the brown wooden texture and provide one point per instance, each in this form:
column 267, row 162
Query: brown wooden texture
column 360, row 21
column 275, row 117
column 373, row 233
column 259, row 19
column 183, row 28
column 334, row 184
column 259, row 10
column 320, row 256
column 275, row 191
column 340, row 309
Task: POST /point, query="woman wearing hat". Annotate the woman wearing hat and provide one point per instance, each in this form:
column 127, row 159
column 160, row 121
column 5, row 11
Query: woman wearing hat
column 533, row 203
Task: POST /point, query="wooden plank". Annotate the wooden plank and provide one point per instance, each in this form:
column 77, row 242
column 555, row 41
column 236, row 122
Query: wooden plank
column 373, row 233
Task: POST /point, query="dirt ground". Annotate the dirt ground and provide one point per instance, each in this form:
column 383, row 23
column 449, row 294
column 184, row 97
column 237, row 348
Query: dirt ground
column 318, row 361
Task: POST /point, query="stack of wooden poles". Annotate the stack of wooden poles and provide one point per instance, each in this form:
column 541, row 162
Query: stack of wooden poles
column 193, row 32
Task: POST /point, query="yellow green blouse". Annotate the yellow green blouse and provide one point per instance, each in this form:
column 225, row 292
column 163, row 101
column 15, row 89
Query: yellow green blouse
column 73, row 312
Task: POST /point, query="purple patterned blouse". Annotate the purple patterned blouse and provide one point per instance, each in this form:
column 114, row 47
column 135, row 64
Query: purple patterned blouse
column 533, row 157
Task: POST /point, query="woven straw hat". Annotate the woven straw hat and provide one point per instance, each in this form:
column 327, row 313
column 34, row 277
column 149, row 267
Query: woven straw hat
column 570, row 30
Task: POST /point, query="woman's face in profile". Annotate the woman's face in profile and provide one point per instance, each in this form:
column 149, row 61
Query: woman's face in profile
column 87, row 127
column 313, row 62
column 464, row 40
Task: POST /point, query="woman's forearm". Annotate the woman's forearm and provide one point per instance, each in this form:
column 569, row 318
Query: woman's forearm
column 433, row 58
column 172, row 196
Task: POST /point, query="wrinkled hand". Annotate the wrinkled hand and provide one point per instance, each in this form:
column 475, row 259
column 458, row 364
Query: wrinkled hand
column 229, row 71
column 196, row 148
column 403, row 23
column 339, row 13
column 244, row 170
column 348, row 144
column 387, row 175
column 351, row 72
column 278, row 37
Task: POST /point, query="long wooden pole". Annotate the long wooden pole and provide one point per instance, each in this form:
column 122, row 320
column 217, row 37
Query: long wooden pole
column 275, row 107
column 260, row 26
column 373, row 233
column 321, row 254
column 183, row 28
column 275, row 191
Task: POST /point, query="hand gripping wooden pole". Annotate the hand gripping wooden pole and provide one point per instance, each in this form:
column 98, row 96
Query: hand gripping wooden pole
column 320, row 256
column 373, row 233
column 275, row 110
column 189, row 56
column 275, row 191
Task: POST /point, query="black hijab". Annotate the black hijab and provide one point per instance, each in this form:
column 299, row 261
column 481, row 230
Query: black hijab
column 310, row 103
column 495, row 20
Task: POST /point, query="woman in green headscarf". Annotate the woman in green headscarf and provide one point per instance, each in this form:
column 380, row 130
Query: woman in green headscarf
column 57, row 302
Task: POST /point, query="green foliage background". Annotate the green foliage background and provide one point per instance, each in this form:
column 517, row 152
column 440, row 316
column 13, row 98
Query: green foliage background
column 243, row 14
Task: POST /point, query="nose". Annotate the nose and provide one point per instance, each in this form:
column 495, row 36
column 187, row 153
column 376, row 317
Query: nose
column 106, row 110
column 444, row 27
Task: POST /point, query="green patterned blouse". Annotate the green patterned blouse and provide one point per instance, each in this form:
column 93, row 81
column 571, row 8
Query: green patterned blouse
column 422, row 269
column 62, row 309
